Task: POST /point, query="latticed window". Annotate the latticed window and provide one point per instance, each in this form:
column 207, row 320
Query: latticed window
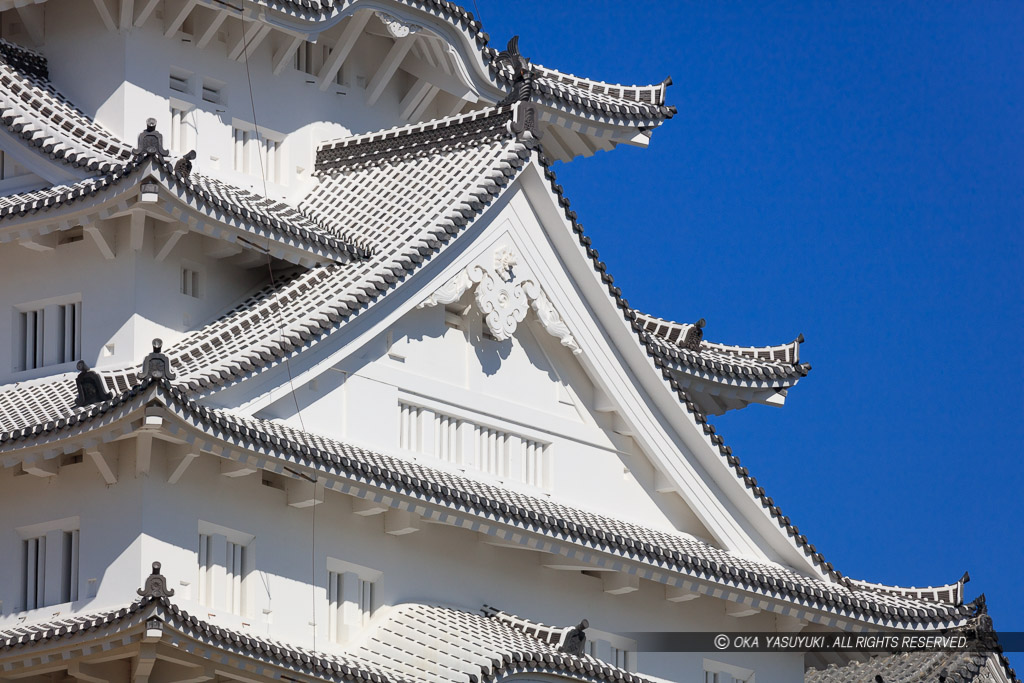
column 351, row 596
column 50, row 568
column 48, row 335
column 223, row 566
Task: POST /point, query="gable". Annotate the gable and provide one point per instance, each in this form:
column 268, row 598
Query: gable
column 340, row 394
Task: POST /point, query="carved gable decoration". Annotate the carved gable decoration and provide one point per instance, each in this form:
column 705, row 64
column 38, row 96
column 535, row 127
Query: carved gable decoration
column 504, row 299
column 396, row 27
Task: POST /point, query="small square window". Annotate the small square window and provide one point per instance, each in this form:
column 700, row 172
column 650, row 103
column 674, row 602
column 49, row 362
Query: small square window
column 190, row 282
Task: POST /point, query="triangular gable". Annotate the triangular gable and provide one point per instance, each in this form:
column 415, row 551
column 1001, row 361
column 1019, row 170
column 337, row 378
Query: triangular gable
column 685, row 457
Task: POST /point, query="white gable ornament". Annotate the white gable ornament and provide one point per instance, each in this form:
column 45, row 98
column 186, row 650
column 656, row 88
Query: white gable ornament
column 502, row 300
column 396, row 27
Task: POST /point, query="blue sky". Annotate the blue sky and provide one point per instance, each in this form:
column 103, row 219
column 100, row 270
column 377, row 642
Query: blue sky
column 853, row 173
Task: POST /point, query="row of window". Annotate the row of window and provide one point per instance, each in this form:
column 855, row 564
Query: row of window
column 50, row 576
column 50, row 571
column 468, row 444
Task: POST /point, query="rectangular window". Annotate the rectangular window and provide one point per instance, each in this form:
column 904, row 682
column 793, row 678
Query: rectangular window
column 69, row 332
column 48, row 335
column 50, row 571
column 535, row 463
column 190, row 282
column 271, row 159
column 462, row 442
column 31, row 338
column 491, row 450
column 241, row 149
column 410, row 427
column 213, row 91
column 234, row 573
column 719, row 672
column 181, row 130
column 224, row 562
column 310, row 57
column 204, row 586
column 179, row 82
column 351, row 595
column 447, row 444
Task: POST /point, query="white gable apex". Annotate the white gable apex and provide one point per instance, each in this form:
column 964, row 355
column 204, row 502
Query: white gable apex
column 665, row 461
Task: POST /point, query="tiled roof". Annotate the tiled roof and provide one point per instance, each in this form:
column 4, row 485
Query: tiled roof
column 411, row 643
column 661, row 550
column 757, row 364
column 645, row 103
column 258, row 215
column 404, row 208
column 32, row 108
column 633, row 104
column 905, row 667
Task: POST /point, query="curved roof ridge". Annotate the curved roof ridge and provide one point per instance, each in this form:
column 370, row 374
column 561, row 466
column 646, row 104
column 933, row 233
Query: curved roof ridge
column 458, row 494
column 950, row 592
column 412, row 139
column 219, row 199
column 675, row 333
column 31, row 107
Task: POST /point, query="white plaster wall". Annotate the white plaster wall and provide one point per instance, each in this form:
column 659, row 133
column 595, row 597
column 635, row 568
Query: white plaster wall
column 126, row 301
column 126, row 526
column 121, row 79
column 529, row 386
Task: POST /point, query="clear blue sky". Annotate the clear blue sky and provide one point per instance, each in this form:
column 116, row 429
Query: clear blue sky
column 853, row 173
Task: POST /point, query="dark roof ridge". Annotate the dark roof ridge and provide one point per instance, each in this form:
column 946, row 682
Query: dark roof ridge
column 413, row 139
column 317, row 451
column 675, row 332
column 22, row 204
column 24, row 59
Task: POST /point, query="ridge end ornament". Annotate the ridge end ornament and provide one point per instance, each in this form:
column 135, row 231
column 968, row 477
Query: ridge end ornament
column 156, row 585
column 575, row 639
column 157, row 365
column 151, row 141
column 91, row 388
column 522, row 73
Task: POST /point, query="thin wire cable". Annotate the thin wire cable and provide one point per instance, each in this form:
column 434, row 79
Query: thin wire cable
column 291, row 380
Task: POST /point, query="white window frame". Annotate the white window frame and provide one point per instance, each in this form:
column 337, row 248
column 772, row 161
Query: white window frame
column 190, row 282
column 720, row 672
column 351, row 598
column 225, row 561
column 612, row 648
column 50, row 557
column 43, row 327
column 470, row 441
column 259, row 151
column 183, row 130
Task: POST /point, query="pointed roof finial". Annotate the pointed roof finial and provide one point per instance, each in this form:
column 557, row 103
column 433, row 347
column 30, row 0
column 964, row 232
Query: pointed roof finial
column 156, row 585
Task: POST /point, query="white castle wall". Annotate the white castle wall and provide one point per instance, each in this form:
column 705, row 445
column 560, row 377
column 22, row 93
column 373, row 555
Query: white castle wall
column 142, row 518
